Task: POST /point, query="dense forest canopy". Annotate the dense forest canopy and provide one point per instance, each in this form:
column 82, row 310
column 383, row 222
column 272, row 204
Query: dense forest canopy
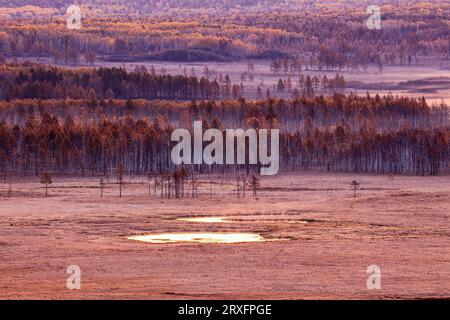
column 29, row 81
column 46, row 144
column 334, row 36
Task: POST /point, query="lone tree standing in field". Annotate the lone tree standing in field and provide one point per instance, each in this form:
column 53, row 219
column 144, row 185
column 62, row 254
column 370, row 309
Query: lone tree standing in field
column 254, row 184
column 355, row 186
column 46, row 179
column 102, row 185
column 120, row 177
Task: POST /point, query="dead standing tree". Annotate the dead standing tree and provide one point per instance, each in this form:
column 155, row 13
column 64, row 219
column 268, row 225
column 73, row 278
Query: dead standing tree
column 168, row 186
column 102, row 186
column 46, row 179
column 165, row 182
column 159, row 181
column 355, row 186
column 161, row 184
column 184, row 178
column 254, row 184
column 121, row 172
column 179, row 178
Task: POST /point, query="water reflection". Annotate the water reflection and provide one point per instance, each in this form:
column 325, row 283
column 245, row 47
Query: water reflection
column 205, row 219
column 213, row 237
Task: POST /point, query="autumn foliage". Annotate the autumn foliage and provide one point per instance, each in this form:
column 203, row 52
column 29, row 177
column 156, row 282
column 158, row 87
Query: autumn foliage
column 99, row 135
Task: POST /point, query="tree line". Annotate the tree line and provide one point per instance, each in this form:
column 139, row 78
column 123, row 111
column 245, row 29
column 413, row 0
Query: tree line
column 29, row 81
column 46, row 144
column 382, row 113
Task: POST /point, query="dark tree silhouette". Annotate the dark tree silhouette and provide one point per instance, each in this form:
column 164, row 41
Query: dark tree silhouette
column 46, row 179
column 102, row 185
column 121, row 172
column 254, row 184
column 355, row 186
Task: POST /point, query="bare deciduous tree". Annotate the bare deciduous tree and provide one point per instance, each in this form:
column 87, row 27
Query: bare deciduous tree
column 121, row 172
column 355, row 186
column 46, row 179
column 102, row 185
column 254, row 184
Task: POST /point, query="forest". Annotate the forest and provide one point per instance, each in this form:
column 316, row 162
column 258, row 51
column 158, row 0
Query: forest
column 333, row 39
column 48, row 126
column 32, row 81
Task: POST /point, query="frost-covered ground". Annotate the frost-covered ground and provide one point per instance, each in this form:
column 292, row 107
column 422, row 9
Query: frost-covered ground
column 329, row 239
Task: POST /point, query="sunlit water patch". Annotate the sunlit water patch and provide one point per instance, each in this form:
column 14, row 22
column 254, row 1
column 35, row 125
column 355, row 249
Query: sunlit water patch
column 205, row 219
column 194, row 237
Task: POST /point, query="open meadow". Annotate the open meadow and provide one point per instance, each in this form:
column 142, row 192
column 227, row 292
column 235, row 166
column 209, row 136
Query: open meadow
column 318, row 239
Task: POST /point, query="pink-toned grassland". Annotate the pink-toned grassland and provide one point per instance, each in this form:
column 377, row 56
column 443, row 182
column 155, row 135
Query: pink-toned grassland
column 400, row 224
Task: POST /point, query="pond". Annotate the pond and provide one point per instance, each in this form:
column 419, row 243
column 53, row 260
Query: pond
column 205, row 219
column 196, row 237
